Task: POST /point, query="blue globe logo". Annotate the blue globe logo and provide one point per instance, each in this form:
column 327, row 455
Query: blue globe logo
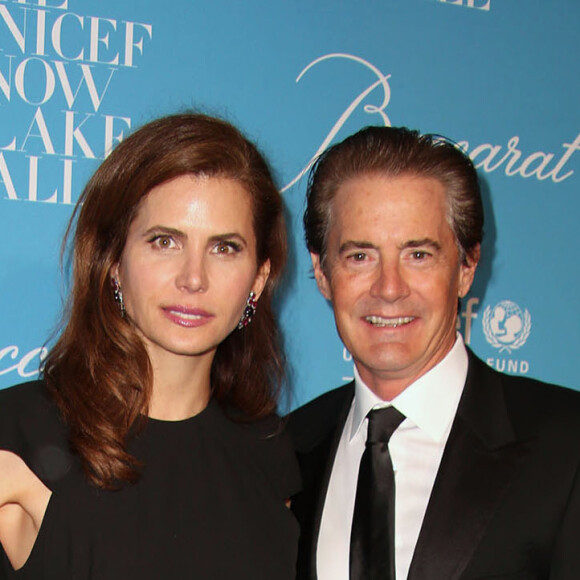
column 506, row 325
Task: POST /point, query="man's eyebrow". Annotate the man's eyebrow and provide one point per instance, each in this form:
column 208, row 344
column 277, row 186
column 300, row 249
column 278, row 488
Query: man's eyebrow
column 429, row 242
column 364, row 245
column 355, row 244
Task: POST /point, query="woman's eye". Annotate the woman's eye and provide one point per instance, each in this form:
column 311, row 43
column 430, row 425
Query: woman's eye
column 163, row 242
column 226, row 248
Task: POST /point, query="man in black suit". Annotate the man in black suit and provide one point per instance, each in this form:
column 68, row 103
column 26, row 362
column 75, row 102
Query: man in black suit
column 486, row 466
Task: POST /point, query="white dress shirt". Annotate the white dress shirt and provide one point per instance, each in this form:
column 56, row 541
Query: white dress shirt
column 416, row 447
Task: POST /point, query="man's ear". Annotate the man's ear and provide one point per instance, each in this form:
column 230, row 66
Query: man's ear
column 320, row 276
column 467, row 271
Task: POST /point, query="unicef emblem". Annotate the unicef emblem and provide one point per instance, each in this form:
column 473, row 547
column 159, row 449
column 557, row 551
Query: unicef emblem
column 506, row 326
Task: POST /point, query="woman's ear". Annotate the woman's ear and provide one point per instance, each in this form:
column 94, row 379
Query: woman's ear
column 261, row 278
column 114, row 272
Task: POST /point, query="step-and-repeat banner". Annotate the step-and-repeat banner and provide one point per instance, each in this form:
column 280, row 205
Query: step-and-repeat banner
column 499, row 76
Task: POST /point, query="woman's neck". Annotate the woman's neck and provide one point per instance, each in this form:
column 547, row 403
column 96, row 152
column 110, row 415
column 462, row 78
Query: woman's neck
column 181, row 387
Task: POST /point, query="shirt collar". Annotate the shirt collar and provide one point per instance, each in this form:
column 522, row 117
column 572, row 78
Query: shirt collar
column 430, row 403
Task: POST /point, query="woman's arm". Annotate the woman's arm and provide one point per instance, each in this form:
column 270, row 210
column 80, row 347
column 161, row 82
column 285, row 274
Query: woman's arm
column 23, row 502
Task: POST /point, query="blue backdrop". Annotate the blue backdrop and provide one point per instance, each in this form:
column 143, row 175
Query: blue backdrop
column 500, row 77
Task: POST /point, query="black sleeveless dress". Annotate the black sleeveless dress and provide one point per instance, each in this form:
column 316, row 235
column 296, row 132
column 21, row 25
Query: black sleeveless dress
column 209, row 504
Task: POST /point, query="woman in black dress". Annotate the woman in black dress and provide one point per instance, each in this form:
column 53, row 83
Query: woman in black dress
column 150, row 449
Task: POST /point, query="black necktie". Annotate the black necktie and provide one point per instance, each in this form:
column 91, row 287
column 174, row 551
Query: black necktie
column 372, row 542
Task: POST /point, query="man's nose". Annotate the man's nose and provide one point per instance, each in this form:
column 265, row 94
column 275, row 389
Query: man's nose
column 390, row 283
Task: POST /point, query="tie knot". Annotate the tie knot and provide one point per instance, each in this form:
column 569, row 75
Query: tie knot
column 383, row 423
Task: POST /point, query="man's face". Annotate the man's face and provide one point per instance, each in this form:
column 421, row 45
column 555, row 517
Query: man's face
column 393, row 274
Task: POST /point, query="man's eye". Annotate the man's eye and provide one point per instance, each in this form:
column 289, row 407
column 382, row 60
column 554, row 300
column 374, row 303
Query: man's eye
column 358, row 257
column 419, row 255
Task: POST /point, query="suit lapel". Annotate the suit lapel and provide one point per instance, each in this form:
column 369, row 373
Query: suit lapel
column 316, row 466
column 481, row 456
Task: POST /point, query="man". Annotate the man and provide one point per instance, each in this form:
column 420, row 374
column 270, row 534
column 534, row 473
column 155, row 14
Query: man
column 485, row 465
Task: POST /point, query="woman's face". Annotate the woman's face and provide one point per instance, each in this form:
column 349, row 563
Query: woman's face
column 189, row 264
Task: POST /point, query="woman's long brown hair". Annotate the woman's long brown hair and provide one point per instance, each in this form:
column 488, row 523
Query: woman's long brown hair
column 99, row 372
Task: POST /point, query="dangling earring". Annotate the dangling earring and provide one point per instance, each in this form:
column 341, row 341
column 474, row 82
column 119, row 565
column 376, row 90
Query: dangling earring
column 249, row 311
column 118, row 295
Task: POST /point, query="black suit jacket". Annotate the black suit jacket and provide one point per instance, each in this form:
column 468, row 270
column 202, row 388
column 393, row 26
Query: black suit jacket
column 506, row 499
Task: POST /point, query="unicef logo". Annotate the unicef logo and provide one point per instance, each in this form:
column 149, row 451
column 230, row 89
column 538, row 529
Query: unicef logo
column 506, row 326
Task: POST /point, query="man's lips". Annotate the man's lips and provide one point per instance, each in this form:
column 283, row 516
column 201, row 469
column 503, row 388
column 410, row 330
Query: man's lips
column 389, row 321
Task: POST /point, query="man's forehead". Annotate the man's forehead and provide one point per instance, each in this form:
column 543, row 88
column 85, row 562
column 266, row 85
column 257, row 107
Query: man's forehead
column 379, row 198
column 362, row 179
column 404, row 211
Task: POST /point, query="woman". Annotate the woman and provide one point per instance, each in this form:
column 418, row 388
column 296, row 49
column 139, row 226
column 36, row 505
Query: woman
column 150, row 449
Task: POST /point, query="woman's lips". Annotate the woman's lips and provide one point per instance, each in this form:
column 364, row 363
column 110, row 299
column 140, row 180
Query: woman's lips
column 188, row 317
